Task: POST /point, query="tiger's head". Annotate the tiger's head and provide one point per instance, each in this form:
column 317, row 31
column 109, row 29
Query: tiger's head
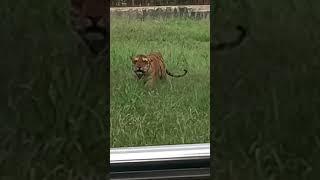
column 88, row 18
column 140, row 65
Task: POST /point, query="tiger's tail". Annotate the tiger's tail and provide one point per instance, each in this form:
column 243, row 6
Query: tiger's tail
column 232, row 44
column 174, row 75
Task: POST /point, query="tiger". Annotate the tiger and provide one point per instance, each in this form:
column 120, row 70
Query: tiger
column 88, row 18
column 150, row 68
column 232, row 44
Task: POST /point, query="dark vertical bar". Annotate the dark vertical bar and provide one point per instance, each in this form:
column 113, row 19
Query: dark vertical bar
column 107, row 65
column 212, row 65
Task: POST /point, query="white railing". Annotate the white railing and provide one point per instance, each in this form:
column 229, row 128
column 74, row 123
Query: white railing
column 161, row 162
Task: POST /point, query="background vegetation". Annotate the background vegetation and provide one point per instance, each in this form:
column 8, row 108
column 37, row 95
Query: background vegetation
column 54, row 126
column 266, row 96
column 178, row 110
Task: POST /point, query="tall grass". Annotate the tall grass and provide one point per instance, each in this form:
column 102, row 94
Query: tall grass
column 177, row 111
column 55, row 127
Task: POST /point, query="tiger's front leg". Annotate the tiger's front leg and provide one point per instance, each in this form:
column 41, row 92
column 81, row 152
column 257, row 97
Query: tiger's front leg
column 150, row 83
column 151, row 80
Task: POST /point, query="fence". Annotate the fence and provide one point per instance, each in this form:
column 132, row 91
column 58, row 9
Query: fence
column 137, row 3
column 190, row 11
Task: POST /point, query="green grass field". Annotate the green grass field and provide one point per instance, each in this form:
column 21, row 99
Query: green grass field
column 177, row 111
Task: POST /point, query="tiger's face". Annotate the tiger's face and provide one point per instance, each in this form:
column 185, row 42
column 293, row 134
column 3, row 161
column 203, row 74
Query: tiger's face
column 140, row 65
column 88, row 18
